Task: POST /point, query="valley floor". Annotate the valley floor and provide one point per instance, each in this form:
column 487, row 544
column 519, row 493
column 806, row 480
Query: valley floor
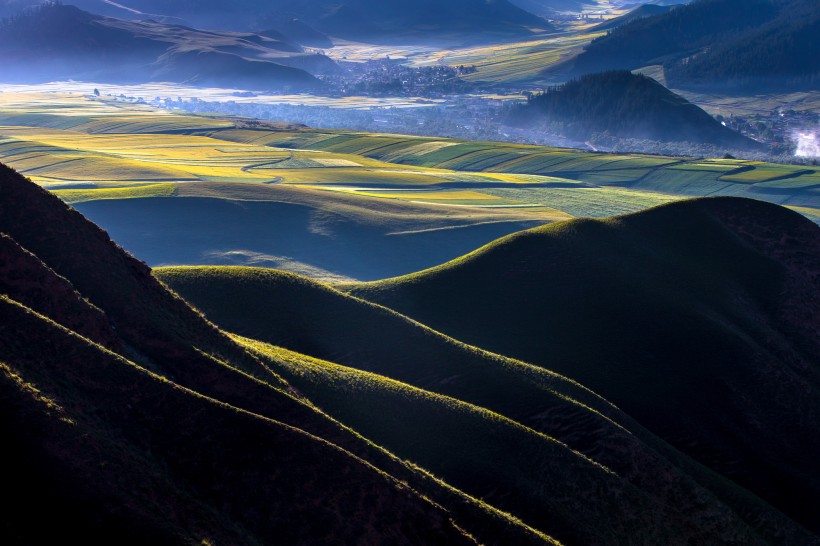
column 335, row 204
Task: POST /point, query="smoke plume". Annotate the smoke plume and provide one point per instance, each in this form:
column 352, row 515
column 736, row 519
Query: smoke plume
column 808, row 143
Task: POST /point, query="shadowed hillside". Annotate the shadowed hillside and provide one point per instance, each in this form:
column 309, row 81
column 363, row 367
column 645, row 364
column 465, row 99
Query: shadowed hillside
column 323, row 235
column 728, row 45
column 644, row 10
column 698, row 318
column 193, row 435
column 55, row 41
column 349, row 19
column 324, row 323
column 146, row 415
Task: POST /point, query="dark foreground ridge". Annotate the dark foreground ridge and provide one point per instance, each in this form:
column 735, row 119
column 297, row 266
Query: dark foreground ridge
column 132, row 419
column 699, row 319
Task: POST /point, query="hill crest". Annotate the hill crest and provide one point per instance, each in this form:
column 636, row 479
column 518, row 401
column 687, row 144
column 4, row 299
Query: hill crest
column 618, row 304
column 625, row 105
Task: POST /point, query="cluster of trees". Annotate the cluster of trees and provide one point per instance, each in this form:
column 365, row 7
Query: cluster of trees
column 780, row 54
column 628, row 105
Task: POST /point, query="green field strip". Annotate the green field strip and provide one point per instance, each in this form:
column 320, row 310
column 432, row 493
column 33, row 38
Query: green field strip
column 587, row 202
column 766, row 173
column 445, row 155
column 706, row 167
column 386, row 153
column 330, row 143
column 74, row 196
column 481, row 161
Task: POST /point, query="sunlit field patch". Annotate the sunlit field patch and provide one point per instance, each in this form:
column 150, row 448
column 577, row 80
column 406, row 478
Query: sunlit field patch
column 130, row 192
column 70, row 139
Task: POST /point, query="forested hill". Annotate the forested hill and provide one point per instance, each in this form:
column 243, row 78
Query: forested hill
column 625, row 105
column 784, row 53
column 728, row 44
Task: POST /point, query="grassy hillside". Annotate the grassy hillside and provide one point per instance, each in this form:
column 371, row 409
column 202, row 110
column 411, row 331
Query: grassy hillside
column 160, row 419
column 314, row 319
column 686, row 316
column 615, row 175
column 110, row 452
column 167, row 417
column 54, row 41
column 300, row 314
column 168, row 410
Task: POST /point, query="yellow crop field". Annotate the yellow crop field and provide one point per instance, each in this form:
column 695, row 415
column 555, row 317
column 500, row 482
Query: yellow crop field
column 88, row 149
column 522, row 61
column 759, row 173
column 129, row 192
column 447, row 197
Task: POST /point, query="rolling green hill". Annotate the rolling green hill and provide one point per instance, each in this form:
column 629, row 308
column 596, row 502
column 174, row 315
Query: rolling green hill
column 314, row 319
column 697, row 318
column 199, row 435
column 148, row 439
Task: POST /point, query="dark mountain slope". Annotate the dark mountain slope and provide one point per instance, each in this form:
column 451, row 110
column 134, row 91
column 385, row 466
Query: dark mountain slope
column 547, row 7
column 300, row 314
column 644, row 10
column 779, row 54
column 197, row 448
column 739, row 45
column 27, row 280
column 54, row 41
column 698, row 318
column 350, row 19
column 136, row 458
column 296, row 31
column 158, row 332
column 512, row 467
column 625, row 105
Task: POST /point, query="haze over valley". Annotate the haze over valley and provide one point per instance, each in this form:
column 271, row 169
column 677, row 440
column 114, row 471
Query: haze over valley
column 531, row 272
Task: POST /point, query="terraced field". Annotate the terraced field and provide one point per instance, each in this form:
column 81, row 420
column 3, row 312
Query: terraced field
column 518, row 62
column 637, row 175
column 163, row 184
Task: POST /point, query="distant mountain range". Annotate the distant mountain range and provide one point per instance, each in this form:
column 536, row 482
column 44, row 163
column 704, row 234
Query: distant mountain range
column 625, row 105
column 734, row 45
column 351, row 19
column 55, row 41
column 129, row 418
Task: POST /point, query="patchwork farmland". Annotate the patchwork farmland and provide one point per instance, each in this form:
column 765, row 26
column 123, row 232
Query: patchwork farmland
column 160, row 182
